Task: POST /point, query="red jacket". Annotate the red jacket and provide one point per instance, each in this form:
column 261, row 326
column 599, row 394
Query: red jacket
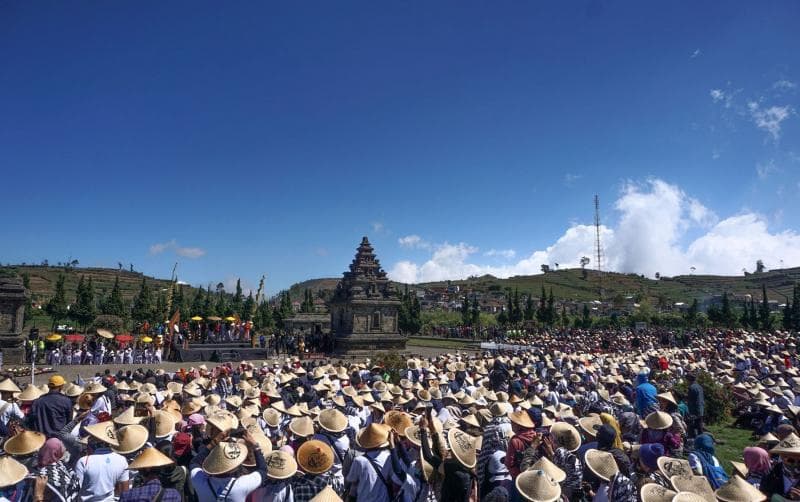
column 516, row 448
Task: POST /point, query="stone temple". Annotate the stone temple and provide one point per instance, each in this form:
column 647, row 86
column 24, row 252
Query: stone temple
column 13, row 296
column 365, row 306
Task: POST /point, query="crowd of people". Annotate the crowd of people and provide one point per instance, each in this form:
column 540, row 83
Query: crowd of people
column 568, row 417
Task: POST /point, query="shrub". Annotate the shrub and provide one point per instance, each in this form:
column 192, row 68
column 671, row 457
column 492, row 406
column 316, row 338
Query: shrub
column 393, row 363
column 718, row 399
column 110, row 322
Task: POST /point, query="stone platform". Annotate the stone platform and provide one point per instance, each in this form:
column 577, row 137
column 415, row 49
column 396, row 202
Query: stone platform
column 221, row 352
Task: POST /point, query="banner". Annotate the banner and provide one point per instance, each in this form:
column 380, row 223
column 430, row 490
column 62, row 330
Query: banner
column 503, row 346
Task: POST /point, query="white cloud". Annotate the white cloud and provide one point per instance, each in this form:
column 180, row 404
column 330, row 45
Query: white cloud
column 769, row 119
column 172, row 245
column 413, row 241
column 654, row 218
column 160, row 247
column 696, row 53
column 784, row 85
column 764, row 169
column 570, row 179
column 503, row 253
column 377, row 226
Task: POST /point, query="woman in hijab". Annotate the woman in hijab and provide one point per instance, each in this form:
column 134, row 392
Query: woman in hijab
column 631, row 427
column 704, row 463
column 607, row 440
column 62, row 484
column 758, row 464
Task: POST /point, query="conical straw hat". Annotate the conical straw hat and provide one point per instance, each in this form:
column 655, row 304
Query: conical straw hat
column 373, row 436
column 549, row 468
column 30, row 393
column 566, row 435
column 326, row 495
column 658, row 420
column 790, row 445
column 690, row 497
column 11, row 471
column 398, row 421
column 674, row 467
column 150, row 458
column 128, row 417
column 536, row 486
column 739, row 468
column 165, row 423
column 315, row 457
column 273, row 417
column 739, row 490
column 103, row 431
column 225, row 457
column 522, row 419
column 332, row 420
column 223, row 420
column 602, row 464
column 130, row 438
column 696, row 484
column 24, row 443
column 8, row 385
column 463, row 447
column 653, row 492
column 302, row 427
column 281, row 465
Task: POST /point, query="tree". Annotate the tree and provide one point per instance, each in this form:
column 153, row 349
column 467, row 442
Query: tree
column 587, row 319
column 545, row 269
column 753, row 314
column 584, row 261
column 222, row 306
column 725, row 312
column 210, row 307
column 763, row 314
column 83, row 310
column 530, row 311
column 466, row 316
column 759, row 266
column 502, row 318
column 564, row 318
column 198, row 302
column 691, row 313
column 57, row 306
column 787, row 315
column 476, row 314
column 143, row 303
column 541, row 312
column 236, row 304
column 308, row 302
column 248, row 308
column 160, row 310
column 115, row 305
column 264, row 316
column 796, row 308
column 516, row 313
column 551, row 309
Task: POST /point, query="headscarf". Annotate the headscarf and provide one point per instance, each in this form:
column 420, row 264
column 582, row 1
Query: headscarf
column 757, row 460
column 609, row 419
column 51, row 452
column 606, row 437
column 649, row 454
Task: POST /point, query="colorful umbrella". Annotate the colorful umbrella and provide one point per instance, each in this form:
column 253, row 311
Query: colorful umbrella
column 147, row 339
column 53, row 338
column 214, row 318
column 197, row 318
column 124, row 338
column 230, row 318
column 105, row 333
column 74, row 338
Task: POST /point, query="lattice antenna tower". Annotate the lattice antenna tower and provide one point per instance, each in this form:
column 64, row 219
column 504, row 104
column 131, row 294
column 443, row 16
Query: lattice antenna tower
column 598, row 247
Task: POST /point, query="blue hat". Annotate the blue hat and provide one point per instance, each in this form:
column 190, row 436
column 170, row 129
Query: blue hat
column 649, row 454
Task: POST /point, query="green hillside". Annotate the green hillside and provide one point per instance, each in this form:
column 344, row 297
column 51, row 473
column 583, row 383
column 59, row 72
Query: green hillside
column 569, row 284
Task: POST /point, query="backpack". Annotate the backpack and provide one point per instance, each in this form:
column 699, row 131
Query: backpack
column 392, row 489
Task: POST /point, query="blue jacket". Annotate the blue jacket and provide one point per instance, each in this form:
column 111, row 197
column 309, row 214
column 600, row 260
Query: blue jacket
column 645, row 395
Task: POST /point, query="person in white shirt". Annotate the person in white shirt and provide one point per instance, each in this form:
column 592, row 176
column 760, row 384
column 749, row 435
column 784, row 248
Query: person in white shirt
column 370, row 472
column 102, row 474
column 8, row 408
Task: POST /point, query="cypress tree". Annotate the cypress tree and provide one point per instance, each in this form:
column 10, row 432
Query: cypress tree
column 248, row 308
column 796, row 308
column 551, row 309
column 143, row 303
column 763, row 314
column 210, row 307
column 465, row 312
column 57, row 306
column 236, row 304
column 529, row 309
column 115, row 305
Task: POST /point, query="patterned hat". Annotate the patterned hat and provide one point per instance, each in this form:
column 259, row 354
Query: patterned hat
column 536, row 486
column 281, row 465
column 225, row 457
column 315, row 457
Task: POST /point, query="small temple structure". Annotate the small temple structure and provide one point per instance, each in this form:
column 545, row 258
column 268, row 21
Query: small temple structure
column 365, row 307
column 13, row 296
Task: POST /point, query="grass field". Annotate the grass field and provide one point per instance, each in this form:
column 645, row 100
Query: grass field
column 735, row 440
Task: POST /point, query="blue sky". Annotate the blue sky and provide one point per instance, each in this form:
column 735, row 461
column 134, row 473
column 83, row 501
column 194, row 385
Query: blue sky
column 462, row 137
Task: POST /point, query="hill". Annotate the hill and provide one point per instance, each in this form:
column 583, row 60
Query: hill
column 570, row 284
column 43, row 280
